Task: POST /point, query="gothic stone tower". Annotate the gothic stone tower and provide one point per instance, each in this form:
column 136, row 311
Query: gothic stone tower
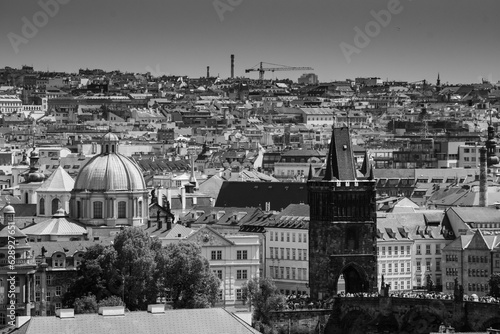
column 342, row 227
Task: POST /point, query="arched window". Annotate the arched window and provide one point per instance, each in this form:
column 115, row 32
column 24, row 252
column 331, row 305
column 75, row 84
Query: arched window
column 78, row 258
column 26, row 198
column 98, row 210
column 42, row 206
column 122, row 209
column 79, row 209
column 56, row 204
column 139, row 209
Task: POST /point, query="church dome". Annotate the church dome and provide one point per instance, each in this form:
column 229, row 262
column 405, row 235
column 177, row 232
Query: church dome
column 110, row 137
column 9, row 209
column 110, row 172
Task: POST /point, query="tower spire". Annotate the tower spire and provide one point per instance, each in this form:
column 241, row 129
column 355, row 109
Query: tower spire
column 339, row 162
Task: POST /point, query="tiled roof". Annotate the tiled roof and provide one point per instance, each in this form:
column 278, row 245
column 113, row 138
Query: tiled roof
column 23, row 210
column 477, row 214
column 301, row 210
column 59, row 180
column 67, row 247
column 256, row 194
column 5, row 232
column 57, row 225
column 187, row 321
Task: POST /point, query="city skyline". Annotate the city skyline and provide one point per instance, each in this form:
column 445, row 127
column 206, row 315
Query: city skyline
column 416, row 41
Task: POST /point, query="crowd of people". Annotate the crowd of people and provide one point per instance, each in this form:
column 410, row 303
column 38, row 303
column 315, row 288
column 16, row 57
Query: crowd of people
column 304, row 302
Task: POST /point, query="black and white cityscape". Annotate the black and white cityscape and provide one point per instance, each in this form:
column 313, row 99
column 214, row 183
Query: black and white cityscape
column 235, row 166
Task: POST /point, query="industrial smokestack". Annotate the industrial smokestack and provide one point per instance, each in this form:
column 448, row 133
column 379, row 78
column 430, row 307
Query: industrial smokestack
column 483, row 182
column 232, row 66
column 208, row 72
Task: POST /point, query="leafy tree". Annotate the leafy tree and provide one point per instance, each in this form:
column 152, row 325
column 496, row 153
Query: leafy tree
column 186, row 273
column 494, row 283
column 86, row 304
column 96, row 275
column 111, row 301
column 89, row 304
column 135, row 264
column 264, row 297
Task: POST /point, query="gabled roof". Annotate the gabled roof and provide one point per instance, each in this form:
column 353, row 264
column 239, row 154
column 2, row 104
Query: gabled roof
column 459, row 243
column 207, row 236
column 177, row 232
column 59, row 181
column 478, row 241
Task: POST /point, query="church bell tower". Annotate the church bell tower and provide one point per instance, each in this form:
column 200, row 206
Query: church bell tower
column 342, row 227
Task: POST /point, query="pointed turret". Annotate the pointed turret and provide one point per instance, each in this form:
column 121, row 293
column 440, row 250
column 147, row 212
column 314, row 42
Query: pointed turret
column 339, row 162
column 310, row 175
column 371, row 176
column 365, row 168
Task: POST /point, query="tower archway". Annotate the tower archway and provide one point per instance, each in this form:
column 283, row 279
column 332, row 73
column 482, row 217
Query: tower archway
column 352, row 279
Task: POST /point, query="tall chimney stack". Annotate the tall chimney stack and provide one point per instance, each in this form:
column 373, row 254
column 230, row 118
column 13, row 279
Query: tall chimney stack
column 208, row 72
column 483, row 182
column 232, row 66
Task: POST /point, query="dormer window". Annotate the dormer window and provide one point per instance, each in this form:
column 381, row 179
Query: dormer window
column 78, row 258
column 59, row 260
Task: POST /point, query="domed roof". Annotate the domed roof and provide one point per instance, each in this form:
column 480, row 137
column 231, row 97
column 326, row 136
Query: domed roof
column 110, row 137
column 109, row 172
column 9, row 209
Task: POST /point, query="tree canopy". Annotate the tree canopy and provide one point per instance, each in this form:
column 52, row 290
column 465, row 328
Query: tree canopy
column 264, row 297
column 186, row 274
column 138, row 269
column 494, row 283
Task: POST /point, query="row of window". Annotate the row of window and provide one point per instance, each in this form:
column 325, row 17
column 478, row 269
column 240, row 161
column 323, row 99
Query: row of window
column 288, row 253
column 240, row 255
column 287, row 236
column 478, row 259
column 451, row 258
column 477, row 273
column 390, row 250
column 451, row 271
column 401, row 268
column 428, row 265
column 428, row 249
column 288, row 273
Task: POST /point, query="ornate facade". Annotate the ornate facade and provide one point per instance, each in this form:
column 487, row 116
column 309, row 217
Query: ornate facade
column 110, row 190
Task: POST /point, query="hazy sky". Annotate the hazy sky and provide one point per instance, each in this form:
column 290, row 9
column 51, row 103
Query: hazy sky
column 457, row 38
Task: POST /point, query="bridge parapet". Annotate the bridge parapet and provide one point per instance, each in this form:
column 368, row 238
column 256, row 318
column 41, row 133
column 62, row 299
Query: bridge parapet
column 391, row 315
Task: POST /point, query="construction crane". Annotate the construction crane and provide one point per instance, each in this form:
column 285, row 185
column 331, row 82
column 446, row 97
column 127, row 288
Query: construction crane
column 261, row 69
